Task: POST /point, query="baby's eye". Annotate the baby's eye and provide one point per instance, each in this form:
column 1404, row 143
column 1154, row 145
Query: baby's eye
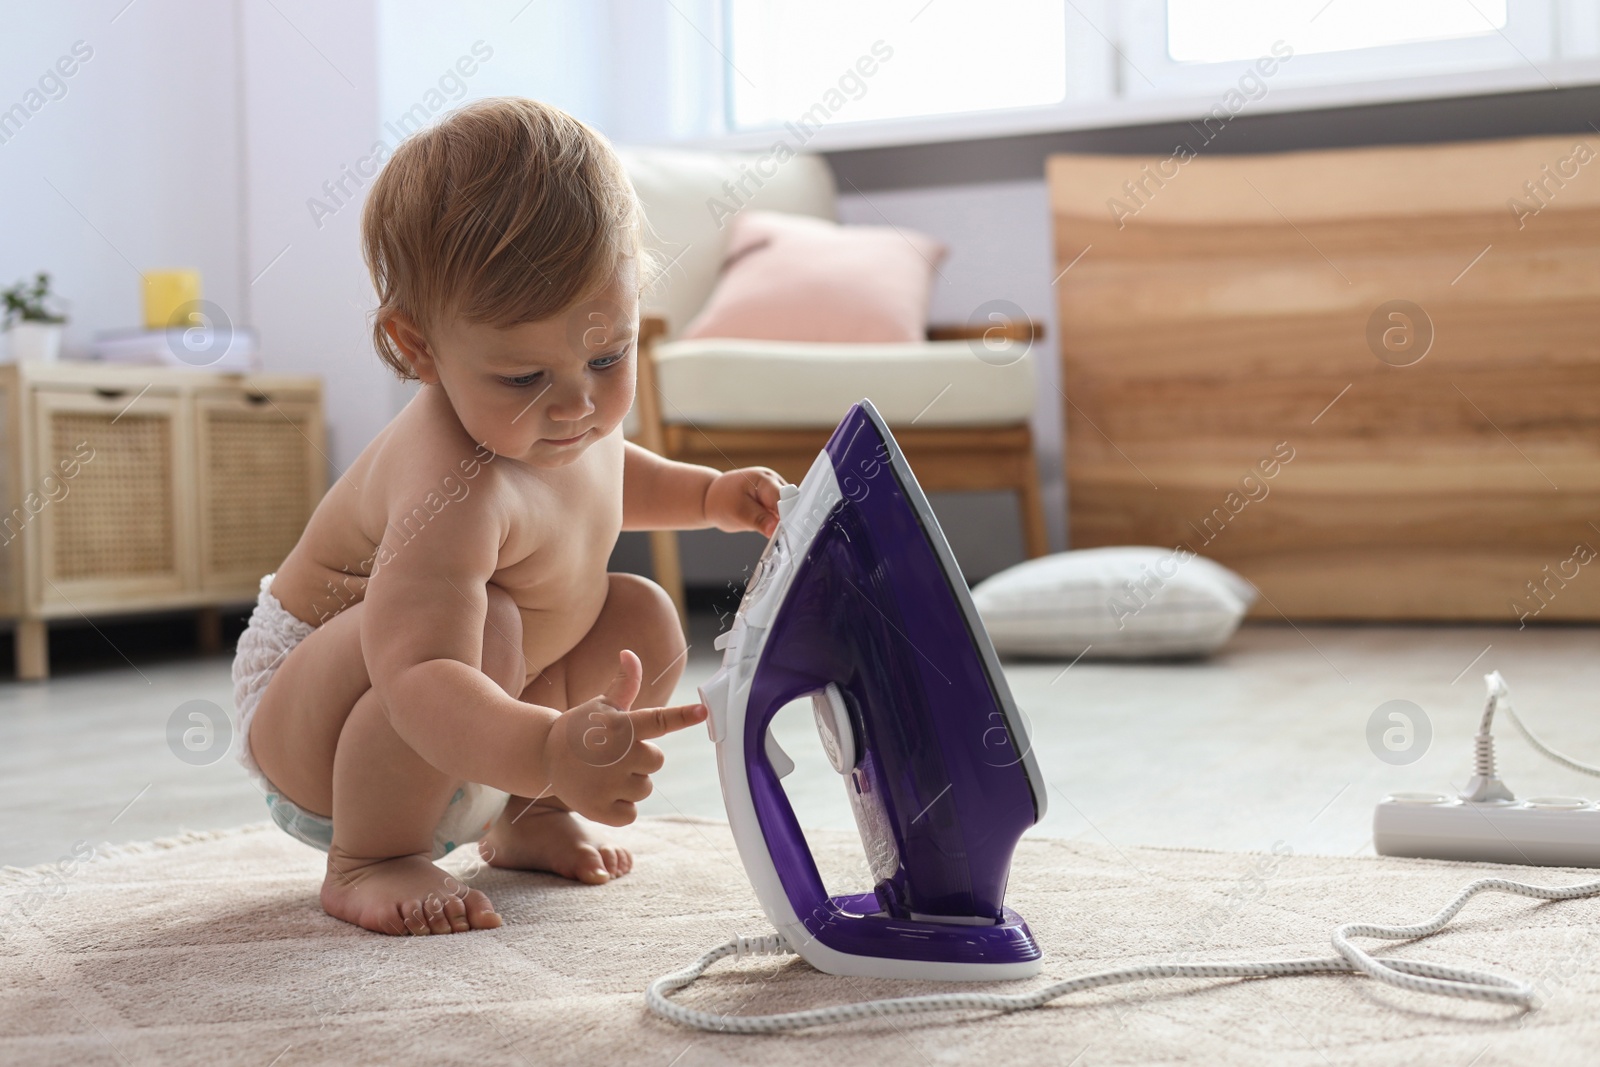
column 607, row 361
column 524, row 379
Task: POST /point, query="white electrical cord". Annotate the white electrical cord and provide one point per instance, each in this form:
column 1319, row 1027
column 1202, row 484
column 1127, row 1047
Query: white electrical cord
column 1500, row 698
column 1416, row 975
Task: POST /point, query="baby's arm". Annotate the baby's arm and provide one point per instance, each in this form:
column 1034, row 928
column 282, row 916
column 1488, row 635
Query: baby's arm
column 662, row 494
column 421, row 638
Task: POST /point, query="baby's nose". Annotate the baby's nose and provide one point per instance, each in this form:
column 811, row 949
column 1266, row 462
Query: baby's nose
column 569, row 406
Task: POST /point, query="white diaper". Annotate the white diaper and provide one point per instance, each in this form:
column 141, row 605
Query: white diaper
column 272, row 634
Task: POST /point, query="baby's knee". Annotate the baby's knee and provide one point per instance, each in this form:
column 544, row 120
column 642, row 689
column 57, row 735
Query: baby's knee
column 502, row 641
column 650, row 613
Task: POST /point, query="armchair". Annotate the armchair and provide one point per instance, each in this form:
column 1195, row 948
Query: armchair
column 961, row 420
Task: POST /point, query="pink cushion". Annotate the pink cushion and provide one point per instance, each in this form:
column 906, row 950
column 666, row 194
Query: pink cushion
column 798, row 278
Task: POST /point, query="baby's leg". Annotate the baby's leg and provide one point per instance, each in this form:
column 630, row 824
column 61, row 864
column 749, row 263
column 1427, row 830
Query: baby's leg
column 540, row 834
column 385, row 800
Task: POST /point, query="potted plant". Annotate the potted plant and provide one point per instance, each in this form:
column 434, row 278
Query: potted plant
column 33, row 331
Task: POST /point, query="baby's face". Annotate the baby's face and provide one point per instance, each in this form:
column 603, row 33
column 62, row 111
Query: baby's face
column 543, row 392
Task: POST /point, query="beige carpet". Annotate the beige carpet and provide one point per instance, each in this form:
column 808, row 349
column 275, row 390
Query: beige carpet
column 211, row 949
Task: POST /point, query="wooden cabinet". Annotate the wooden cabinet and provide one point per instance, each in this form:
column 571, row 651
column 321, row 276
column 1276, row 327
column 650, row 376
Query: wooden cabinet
column 145, row 488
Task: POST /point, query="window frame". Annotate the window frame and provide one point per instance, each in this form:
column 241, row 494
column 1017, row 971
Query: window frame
column 1122, row 51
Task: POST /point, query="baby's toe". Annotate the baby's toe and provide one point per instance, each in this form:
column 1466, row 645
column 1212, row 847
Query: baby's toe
column 592, row 867
column 624, row 861
column 480, row 913
column 613, row 858
column 433, row 912
column 455, row 910
column 386, row 920
column 411, row 915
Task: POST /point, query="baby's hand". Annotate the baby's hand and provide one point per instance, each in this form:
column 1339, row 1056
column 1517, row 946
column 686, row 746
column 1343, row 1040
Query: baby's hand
column 598, row 757
column 745, row 499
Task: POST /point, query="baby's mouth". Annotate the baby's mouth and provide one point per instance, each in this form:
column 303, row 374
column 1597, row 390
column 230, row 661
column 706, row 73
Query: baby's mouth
column 563, row 441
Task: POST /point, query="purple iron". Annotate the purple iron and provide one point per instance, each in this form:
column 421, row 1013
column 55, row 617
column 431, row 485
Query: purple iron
column 857, row 603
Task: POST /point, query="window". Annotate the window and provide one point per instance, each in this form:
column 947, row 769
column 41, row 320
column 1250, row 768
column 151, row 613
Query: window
column 1199, row 48
column 891, row 60
column 1212, row 31
column 886, row 71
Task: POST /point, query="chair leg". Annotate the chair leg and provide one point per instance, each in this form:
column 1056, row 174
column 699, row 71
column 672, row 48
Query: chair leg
column 1030, row 501
column 208, row 630
column 32, row 642
column 668, row 567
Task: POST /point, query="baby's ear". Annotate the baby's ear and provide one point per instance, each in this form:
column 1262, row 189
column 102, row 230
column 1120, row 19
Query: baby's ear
column 413, row 345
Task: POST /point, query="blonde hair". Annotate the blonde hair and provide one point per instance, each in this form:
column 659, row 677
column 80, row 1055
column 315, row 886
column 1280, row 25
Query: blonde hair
column 505, row 211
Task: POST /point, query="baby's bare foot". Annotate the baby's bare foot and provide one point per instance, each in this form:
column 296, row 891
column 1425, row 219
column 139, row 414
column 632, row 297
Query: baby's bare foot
column 405, row 894
column 544, row 836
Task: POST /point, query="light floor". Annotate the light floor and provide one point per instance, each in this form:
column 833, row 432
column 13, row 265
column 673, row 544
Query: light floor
column 1265, row 743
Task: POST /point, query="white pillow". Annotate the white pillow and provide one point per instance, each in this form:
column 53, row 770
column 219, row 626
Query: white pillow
column 1113, row 603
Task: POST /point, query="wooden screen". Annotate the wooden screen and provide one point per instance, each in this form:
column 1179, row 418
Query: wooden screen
column 1367, row 379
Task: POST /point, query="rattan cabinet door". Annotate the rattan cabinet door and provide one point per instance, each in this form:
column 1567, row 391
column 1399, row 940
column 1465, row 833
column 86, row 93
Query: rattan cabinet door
column 260, row 466
column 109, row 476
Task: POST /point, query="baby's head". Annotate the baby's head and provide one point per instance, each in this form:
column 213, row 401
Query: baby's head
column 504, row 245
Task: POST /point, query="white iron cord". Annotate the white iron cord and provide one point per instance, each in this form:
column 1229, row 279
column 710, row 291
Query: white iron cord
column 1416, row 975
column 1419, row 976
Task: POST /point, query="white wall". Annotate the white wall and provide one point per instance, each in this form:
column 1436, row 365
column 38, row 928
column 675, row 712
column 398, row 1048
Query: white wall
column 311, row 103
column 555, row 52
column 135, row 167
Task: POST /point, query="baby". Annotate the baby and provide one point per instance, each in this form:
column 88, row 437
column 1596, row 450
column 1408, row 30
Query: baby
column 443, row 658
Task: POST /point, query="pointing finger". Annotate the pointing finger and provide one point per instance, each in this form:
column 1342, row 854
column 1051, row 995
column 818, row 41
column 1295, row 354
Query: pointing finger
column 654, row 722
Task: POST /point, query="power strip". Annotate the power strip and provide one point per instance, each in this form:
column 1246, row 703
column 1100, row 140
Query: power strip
column 1540, row 831
column 1486, row 823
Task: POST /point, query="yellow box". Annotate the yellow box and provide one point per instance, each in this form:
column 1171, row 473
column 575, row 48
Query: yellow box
column 166, row 292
